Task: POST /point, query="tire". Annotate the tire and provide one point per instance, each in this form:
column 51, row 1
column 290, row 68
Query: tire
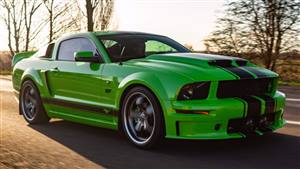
column 30, row 104
column 142, row 118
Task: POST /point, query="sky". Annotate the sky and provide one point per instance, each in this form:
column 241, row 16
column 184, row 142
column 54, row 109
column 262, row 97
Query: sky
column 186, row 21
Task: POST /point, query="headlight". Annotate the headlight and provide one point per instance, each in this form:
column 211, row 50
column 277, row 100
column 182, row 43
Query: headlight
column 194, row 91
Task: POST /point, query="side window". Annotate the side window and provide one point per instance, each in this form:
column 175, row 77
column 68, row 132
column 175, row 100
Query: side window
column 109, row 43
column 68, row 47
column 49, row 50
column 153, row 46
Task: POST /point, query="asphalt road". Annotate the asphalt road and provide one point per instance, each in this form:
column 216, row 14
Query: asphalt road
column 62, row 144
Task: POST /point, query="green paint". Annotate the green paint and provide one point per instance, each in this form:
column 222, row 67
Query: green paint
column 102, row 85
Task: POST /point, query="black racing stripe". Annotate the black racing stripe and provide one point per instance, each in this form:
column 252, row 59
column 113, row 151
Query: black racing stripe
column 227, row 65
column 242, row 74
column 70, row 104
column 269, row 103
column 253, row 106
column 241, row 62
column 255, row 71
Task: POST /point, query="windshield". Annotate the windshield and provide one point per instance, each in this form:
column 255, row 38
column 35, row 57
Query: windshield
column 122, row 47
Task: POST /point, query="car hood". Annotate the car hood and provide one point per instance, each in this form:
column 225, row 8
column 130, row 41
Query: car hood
column 202, row 67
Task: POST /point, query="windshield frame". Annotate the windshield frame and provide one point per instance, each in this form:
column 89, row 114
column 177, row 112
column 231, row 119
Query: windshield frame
column 163, row 39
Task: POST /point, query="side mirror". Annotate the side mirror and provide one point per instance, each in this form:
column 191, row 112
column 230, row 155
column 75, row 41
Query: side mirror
column 85, row 56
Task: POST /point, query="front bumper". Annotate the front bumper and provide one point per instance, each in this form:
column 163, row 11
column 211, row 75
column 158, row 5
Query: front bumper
column 216, row 124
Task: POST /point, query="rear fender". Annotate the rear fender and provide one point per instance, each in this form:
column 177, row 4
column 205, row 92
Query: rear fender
column 34, row 75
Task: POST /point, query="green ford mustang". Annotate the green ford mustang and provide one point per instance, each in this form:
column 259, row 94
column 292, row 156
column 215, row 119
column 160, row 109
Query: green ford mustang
column 148, row 86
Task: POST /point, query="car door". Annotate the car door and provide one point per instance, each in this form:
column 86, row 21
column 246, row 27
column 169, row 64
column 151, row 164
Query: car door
column 76, row 82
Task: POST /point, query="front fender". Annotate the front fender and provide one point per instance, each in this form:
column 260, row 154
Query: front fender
column 146, row 79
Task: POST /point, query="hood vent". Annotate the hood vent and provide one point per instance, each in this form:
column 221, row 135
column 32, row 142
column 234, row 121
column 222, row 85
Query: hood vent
column 227, row 63
column 221, row 63
column 241, row 62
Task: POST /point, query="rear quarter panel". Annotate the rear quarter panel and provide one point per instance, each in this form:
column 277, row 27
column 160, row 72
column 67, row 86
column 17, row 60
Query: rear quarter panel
column 31, row 69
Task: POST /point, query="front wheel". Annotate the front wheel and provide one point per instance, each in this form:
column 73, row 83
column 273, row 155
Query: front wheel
column 142, row 118
column 30, row 104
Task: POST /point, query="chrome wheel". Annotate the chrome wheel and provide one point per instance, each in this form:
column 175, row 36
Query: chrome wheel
column 29, row 102
column 139, row 118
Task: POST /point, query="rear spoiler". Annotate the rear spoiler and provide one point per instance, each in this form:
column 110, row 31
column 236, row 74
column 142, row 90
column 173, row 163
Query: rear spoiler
column 20, row 56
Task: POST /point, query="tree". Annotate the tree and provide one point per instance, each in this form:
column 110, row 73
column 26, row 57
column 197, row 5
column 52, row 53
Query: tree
column 18, row 19
column 23, row 26
column 98, row 14
column 60, row 18
column 13, row 20
column 267, row 27
column 30, row 7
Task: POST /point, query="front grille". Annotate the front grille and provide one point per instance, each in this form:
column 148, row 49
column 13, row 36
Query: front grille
column 244, row 87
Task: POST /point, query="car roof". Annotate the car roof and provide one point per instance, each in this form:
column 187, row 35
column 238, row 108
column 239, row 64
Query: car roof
column 122, row 33
column 103, row 33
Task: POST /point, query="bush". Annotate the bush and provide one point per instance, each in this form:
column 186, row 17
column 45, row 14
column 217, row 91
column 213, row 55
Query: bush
column 5, row 62
column 289, row 71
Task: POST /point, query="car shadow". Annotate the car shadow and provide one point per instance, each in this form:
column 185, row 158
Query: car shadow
column 110, row 149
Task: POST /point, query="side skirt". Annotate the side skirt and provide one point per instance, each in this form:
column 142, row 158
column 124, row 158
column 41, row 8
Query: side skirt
column 81, row 113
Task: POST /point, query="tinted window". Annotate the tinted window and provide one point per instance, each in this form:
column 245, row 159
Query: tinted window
column 49, row 50
column 122, row 47
column 154, row 46
column 109, row 43
column 68, row 47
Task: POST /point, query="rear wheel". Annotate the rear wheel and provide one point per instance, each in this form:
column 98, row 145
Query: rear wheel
column 30, row 104
column 142, row 118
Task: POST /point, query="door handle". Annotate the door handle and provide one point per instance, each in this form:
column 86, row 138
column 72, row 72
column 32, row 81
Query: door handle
column 56, row 69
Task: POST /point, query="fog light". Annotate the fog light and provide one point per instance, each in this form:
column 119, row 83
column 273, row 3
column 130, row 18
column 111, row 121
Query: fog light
column 217, row 127
column 250, row 126
column 263, row 122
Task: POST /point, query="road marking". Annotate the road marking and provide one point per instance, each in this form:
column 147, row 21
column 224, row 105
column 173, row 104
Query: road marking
column 293, row 122
column 292, row 99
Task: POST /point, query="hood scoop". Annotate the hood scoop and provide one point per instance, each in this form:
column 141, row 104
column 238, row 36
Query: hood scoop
column 227, row 63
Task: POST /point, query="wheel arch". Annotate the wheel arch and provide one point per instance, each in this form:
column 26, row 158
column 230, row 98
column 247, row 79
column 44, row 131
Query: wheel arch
column 34, row 76
column 151, row 83
column 147, row 80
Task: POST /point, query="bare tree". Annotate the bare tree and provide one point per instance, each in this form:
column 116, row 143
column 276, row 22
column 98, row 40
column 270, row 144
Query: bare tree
column 268, row 27
column 104, row 13
column 7, row 20
column 229, row 38
column 98, row 14
column 30, row 7
column 14, row 21
column 90, row 7
column 59, row 18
